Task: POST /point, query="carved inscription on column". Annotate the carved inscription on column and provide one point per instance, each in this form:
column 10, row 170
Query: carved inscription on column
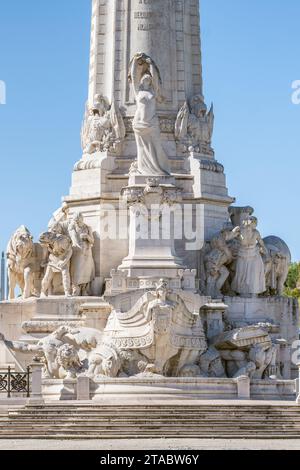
column 146, row 20
column 151, row 32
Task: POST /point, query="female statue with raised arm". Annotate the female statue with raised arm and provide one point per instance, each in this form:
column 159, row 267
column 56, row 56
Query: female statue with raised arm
column 146, row 82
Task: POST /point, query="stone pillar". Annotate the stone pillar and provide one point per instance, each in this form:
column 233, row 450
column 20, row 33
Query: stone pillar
column 95, row 314
column 83, row 388
column 36, row 396
column 151, row 235
column 213, row 315
column 285, row 359
column 243, row 387
column 166, row 30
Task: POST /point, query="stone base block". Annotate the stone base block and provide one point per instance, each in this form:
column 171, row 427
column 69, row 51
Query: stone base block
column 169, row 389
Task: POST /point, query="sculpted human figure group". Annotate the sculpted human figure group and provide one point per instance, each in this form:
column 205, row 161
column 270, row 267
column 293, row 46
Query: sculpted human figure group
column 62, row 256
column 253, row 266
column 166, row 345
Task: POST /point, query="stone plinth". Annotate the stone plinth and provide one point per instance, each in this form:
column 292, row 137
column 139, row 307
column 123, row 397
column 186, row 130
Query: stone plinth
column 136, row 390
column 213, row 318
column 95, row 314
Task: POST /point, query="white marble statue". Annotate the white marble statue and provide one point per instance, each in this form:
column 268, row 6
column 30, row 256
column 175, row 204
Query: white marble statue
column 82, row 262
column 60, row 356
column 103, row 127
column 60, row 252
column 161, row 328
column 247, row 351
column 217, row 261
column 194, row 124
column 249, row 278
column 24, row 260
column 146, row 83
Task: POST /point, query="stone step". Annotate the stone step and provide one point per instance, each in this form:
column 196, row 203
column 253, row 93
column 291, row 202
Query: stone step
column 278, row 436
column 147, row 426
column 158, row 415
column 182, row 419
column 96, row 421
column 157, row 408
column 160, row 431
column 141, row 435
column 178, row 409
column 149, row 423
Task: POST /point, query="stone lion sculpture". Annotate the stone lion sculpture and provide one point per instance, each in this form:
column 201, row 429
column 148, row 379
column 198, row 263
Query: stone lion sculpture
column 104, row 361
column 25, row 259
column 69, row 362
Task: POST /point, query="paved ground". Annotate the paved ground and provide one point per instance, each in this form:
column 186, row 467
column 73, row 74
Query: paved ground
column 152, row 444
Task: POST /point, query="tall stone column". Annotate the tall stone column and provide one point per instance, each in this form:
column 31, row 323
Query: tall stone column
column 168, row 31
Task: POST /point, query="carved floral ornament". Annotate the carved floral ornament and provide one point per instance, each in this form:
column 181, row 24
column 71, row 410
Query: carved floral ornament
column 153, row 192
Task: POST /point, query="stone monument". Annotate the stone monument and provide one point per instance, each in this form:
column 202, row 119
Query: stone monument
column 148, row 274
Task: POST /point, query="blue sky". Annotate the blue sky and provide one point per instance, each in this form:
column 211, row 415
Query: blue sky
column 250, row 59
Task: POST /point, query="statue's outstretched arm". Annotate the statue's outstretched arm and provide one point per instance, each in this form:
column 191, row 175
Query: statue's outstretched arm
column 18, row 346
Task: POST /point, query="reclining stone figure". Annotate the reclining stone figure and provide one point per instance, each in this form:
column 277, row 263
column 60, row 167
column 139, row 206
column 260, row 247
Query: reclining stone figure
column 246, row 351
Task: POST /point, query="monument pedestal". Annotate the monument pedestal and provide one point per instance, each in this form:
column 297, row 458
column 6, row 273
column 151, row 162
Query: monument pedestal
column 146, row 390
column 155, row 210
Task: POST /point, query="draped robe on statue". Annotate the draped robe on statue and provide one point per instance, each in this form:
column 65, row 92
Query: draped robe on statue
column 250, row 271
column 152, row 159
column 145, row 78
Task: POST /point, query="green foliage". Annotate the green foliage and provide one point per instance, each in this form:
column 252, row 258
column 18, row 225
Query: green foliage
column 292, row 285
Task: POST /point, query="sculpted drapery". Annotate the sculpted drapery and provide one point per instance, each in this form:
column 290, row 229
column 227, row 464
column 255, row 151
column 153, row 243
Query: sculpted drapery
column 146, row 82
column 250, row 275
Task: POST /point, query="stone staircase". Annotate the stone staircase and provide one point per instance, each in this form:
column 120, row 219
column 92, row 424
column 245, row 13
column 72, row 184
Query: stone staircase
column 94, row 421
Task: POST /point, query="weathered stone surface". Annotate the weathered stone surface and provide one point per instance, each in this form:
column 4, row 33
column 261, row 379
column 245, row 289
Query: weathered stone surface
column 149, row 225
